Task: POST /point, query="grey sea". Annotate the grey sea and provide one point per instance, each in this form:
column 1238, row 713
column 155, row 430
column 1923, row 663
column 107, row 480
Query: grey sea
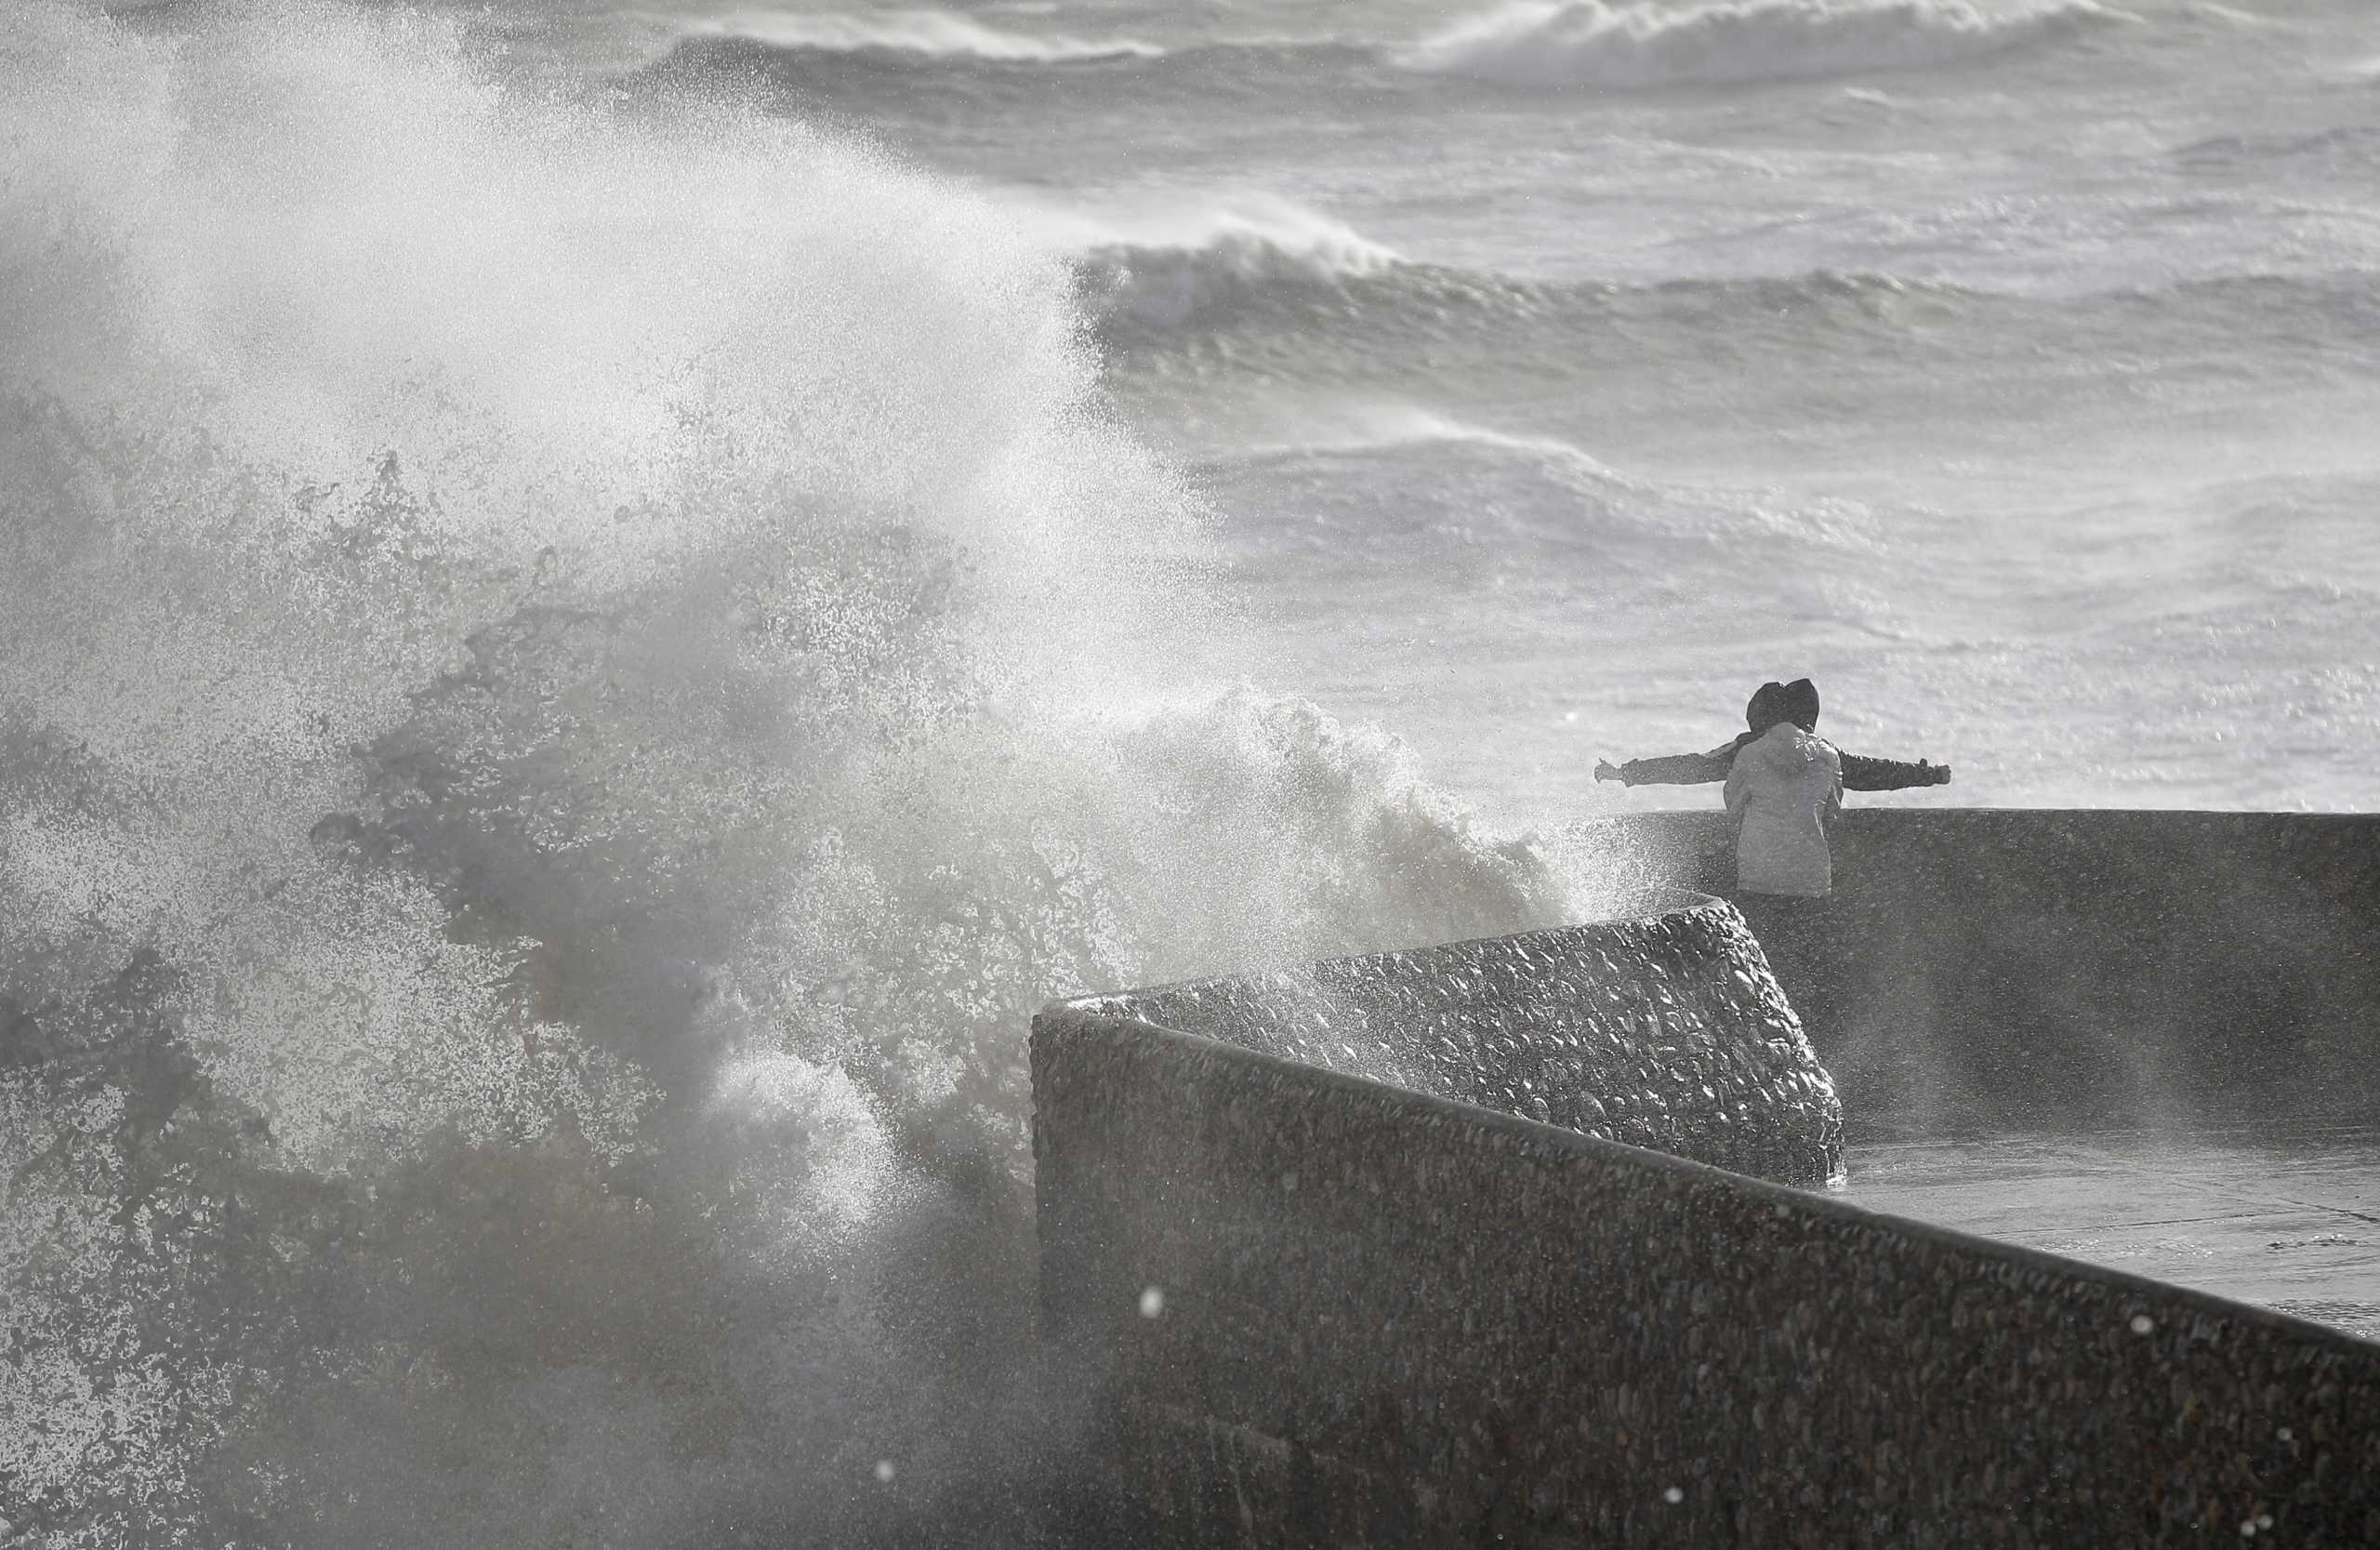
column 1558, row 372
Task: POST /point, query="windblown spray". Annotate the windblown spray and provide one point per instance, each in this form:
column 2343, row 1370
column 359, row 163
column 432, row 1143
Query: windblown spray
column 570, row 671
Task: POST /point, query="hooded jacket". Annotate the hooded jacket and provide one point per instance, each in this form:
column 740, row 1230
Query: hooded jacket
column 1785, row 785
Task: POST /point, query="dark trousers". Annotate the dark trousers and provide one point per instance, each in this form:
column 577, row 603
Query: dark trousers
column 1792, row 932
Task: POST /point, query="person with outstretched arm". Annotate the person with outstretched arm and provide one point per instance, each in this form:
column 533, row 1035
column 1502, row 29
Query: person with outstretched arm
column 1766, row 712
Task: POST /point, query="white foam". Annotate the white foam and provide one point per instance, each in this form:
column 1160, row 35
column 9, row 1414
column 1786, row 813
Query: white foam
column 1367, row 425
column 586, row 637
column 1249, row 229
column 927, row 33
column 1591, row 42
column 1160, row 260
column 802, row 1138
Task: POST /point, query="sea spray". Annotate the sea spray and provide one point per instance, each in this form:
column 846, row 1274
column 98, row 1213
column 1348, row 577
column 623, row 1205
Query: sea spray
column 569, row 675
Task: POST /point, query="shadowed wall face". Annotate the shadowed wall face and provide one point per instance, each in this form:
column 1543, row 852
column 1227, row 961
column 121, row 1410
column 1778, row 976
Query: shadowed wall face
column 1664, row 1031
column 2037, row 970
column 1314, row 1310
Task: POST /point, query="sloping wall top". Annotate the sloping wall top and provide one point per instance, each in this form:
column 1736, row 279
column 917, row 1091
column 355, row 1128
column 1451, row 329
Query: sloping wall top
column 1660, row 1029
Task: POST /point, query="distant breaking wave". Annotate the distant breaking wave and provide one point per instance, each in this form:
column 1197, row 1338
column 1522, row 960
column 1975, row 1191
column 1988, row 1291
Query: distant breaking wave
column 1530, row 43
column 1263, row 266
column 1172, row 271
column 1438, row 489
column 1240, row 276
column 1589, row 42
column 926, row 35
column 1321, row 303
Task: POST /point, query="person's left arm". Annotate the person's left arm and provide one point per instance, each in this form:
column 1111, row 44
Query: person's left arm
column 1861, row 774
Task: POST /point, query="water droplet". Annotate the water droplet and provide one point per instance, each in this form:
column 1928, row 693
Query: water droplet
column 1674, row 1496
column 2142, row 1323
column 1152, row 1301
column 884, row 1471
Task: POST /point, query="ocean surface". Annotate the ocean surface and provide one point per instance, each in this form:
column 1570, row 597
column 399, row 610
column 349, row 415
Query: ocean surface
column 1555, row 373
column 596, row 601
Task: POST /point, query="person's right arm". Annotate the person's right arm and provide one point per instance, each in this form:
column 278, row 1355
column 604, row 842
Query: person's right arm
column 1673, row 769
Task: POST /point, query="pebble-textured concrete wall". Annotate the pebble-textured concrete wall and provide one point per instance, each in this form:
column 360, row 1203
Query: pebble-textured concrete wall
column 2016, row 968
column 1317, row 1310
column 1664, row 1030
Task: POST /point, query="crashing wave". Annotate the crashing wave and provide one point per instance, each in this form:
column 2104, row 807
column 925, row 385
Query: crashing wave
column 568, row 680
column 1593, row 43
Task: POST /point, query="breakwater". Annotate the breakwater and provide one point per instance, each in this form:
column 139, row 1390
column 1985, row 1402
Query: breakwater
column 1663, row 1029
column 1982, row 968
column 1309, row 1305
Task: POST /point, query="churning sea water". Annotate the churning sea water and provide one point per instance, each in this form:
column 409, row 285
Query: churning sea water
column 595, row 602
column 1557, row 372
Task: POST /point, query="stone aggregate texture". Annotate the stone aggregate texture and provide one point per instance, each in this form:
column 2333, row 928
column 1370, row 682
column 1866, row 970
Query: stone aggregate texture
column 1663, row 1030
column 1315, row 1309
column 2011, row 968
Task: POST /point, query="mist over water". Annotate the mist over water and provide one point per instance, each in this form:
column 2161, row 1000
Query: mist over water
column 571, row 670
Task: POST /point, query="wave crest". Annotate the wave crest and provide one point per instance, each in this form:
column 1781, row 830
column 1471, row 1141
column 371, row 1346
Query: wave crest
column 1298, row 293
column 924, row 34
column 1165, row 274
column 1592, row 43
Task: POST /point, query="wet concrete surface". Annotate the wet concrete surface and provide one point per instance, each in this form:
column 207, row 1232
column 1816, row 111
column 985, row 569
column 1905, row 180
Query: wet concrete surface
column 1304, row 1308
column 2281, row 1217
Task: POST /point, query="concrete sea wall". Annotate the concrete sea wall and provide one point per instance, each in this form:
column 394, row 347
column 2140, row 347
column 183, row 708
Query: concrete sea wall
column 2034, row 969
column 1308, row 1310
column 1314, row 1293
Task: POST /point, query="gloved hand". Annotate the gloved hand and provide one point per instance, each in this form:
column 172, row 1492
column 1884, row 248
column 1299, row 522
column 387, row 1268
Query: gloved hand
column 1938, row 774
column 1607, row 769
